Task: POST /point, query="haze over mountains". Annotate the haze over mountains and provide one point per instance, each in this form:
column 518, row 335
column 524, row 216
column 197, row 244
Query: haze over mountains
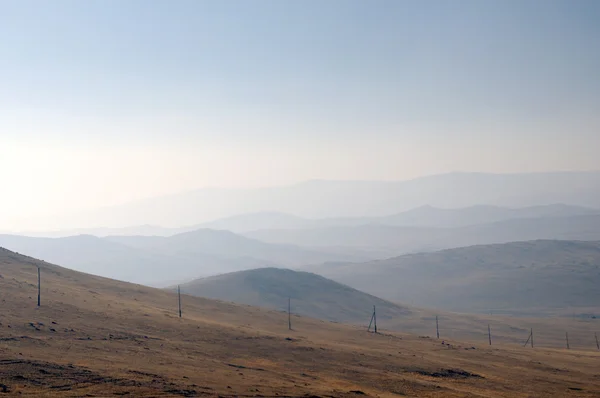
column 366, row 252
column 164, row 260
column 335, row 199
column 424, row 216
column 299, row 242
column 387, row 241
column 532, row 278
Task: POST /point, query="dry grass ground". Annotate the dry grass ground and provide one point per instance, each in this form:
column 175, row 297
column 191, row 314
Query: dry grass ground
column 98, row 337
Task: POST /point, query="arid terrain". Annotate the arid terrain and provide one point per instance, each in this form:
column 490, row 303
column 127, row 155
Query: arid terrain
column 99, row 337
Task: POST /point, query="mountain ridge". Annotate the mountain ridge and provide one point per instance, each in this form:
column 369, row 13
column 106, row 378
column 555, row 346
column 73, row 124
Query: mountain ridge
column 160, row 260
column 357, row 199
column 425, row 216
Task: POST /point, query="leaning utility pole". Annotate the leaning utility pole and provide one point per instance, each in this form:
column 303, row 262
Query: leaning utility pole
column 530, row 338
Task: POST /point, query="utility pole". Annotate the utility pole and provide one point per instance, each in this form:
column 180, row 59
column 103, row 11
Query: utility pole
column 528, row 338
column 375, row 318
column 289, row 313
column 39, row 286
column 597, row 344
column 567, row 337
column 532, row 338
column 179, row 299
column 489, row 334
column 437, row 327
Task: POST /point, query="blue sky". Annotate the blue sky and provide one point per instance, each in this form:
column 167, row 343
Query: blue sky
column 325, row 89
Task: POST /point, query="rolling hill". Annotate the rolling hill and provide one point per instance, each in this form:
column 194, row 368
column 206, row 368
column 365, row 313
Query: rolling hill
column 93, row 336
column 93, row 255
column 225, row 244
column 161, row 261
column 533, row 278
column 387, row 241
column 231, row 247
column 311, row 295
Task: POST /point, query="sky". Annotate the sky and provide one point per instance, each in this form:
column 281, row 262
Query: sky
column 103, row 102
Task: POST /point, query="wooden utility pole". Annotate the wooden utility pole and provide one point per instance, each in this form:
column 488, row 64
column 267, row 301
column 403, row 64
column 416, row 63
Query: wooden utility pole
column 375, row 318
column 289, row 313
column 489, row 334
column 531, row 337
column 528, row 338
column 39, row 286
column 596, row 336
column 179, row 299
column 567, row 337
column 437, row 327
column 370, row 322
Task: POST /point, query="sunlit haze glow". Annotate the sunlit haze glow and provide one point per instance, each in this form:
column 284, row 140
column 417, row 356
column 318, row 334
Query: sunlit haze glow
column 107, row 102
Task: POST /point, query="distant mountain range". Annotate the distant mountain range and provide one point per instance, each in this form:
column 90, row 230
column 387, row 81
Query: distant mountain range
column 424, row 216
column 342, row 199
column 383, row 241
column 160, row 260
column 523, row 278
column 163, row 260
column 310, row 295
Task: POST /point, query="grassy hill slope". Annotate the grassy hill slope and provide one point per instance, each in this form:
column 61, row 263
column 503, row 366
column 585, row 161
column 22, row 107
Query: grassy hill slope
column 99, row 337
column 534, row 278
column 311, row 295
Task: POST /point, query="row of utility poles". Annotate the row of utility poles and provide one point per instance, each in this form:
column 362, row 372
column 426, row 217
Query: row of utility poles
column 372, row 323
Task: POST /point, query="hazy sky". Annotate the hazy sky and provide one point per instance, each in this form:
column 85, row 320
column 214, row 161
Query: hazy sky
column 107, row 101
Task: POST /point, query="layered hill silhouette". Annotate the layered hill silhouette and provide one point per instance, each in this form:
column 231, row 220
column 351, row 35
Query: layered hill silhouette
column 388, row 241
column 164, row 260
column 310, row 295
column 424, row 216
column 318, row 199
column 224, row 244
column 161, row 261
column 533, row 278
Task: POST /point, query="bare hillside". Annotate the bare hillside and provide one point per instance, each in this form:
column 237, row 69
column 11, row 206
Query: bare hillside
column 310, row 295
column 94, row 336
column 535, row 278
